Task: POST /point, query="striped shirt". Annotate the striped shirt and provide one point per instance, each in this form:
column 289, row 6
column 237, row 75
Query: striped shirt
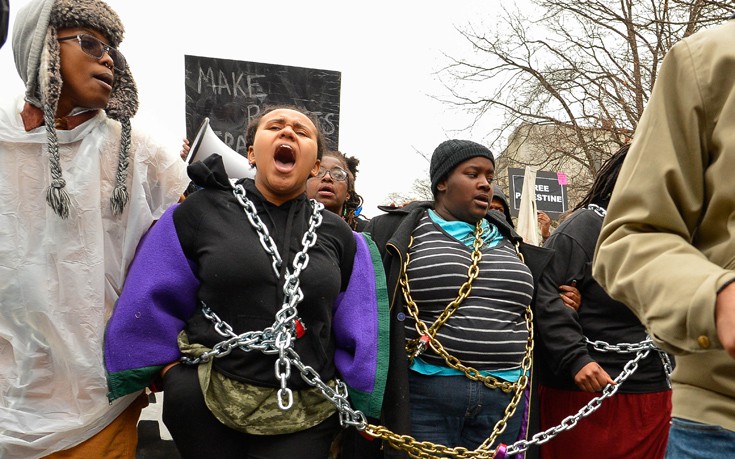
column 488, row 331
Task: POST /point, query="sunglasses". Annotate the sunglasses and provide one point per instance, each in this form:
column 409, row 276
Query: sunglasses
column 337, row 173
column 96, row 49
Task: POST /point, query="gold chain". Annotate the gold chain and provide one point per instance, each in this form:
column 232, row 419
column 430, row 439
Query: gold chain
column 414, row 347
column 429, row 450
column 521, row 384
column 426, row 449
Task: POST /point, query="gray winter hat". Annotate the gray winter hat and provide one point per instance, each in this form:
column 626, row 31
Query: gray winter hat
column 37, row 59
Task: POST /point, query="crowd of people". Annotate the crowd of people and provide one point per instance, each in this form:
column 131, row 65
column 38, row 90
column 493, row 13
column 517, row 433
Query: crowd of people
column 281, row 323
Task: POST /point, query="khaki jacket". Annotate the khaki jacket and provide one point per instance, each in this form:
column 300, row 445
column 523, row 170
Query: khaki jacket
column 668, row 242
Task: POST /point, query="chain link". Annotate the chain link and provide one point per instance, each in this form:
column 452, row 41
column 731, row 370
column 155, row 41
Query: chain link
column 642, row 350
column 416, row 346
column 427, row 334
column 668, row 367
column 570, row 421
column 621, row 348
column 337, row 396
column 425, row 449
column 599, row 210
column 277, row 339
column 628, row 348
column 520, row 385
column 418, row 449
column 427, row 337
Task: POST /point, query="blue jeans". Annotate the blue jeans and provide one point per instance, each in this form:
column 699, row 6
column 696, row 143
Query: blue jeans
column 694, row 440
column 455, row 411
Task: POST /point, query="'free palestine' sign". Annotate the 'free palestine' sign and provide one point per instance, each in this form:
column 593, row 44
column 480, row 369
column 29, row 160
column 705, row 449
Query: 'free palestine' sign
column 551, row 192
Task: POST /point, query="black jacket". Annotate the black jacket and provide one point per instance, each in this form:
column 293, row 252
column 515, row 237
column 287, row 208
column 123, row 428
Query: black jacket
column 498, row 193
column 562, row 330
column 392, row 232
column 237, row 280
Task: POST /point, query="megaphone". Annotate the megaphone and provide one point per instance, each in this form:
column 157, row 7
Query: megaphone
column 206, row 143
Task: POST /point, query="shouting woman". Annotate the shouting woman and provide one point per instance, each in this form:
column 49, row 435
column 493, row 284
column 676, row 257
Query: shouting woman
column 264, row 295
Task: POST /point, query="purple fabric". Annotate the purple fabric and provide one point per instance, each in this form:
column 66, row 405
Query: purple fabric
column 355, row 324
column 523, row 433
column 159, row 295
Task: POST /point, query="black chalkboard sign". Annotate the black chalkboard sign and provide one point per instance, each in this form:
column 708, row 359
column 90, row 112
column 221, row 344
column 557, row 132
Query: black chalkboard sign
column 230, row 93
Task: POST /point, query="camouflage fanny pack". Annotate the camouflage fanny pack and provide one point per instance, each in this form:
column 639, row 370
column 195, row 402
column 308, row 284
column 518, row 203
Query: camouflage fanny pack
column 254, row 409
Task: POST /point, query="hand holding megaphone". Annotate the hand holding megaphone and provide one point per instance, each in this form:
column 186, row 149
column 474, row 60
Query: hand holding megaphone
column 206, row 143
column 185, row 147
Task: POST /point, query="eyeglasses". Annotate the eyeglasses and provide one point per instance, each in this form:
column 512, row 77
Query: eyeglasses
column 96, row 49
column 337, row 173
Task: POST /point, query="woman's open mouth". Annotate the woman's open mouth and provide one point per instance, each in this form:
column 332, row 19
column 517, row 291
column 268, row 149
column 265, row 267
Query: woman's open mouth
column 325, row 190
column 284, row 158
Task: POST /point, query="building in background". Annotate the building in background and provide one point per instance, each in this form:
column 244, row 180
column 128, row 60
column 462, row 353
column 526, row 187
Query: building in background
column 556, row 148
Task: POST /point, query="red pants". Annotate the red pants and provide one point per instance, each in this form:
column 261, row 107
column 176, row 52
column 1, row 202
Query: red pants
column 624, row 426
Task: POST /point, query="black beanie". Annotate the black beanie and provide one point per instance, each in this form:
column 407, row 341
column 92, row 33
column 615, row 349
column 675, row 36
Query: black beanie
column 449, row 154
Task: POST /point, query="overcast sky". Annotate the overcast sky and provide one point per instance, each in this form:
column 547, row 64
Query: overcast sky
column 387, row 53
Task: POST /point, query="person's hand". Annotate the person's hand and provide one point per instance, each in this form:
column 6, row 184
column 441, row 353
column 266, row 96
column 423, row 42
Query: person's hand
column 592, row 378
column 570, row 296
column 725, row 318
column 544, row 224
column 185, row 147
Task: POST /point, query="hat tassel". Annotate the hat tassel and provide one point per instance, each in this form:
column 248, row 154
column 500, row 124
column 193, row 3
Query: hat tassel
column 120, row 194
column 58, row 198
column 119, row 199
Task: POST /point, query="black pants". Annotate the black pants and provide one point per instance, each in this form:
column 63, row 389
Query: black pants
column 198, row 434
column 355, row 446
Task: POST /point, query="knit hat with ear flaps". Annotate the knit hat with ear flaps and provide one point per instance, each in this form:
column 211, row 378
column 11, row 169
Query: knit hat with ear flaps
column 449, row 154
column 37, row 58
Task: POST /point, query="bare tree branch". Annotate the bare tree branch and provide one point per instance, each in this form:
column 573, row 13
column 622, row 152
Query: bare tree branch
column 571, row 78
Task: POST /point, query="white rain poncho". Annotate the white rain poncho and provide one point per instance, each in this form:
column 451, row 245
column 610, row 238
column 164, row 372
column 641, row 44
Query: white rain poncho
column 59, row 279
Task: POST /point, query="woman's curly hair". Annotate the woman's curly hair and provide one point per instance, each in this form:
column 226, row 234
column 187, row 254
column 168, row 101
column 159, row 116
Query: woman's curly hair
column 353, row 204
